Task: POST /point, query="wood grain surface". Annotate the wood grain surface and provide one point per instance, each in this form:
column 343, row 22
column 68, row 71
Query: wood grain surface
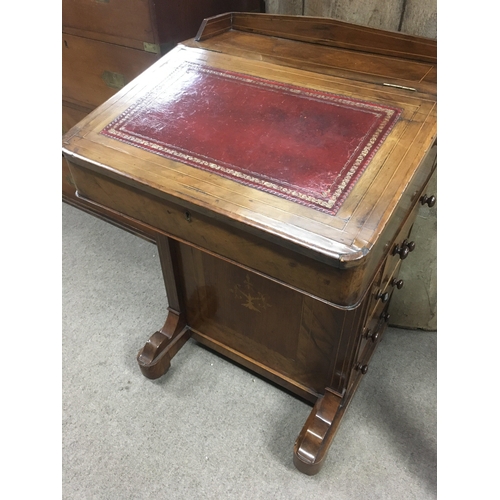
column 295, row 294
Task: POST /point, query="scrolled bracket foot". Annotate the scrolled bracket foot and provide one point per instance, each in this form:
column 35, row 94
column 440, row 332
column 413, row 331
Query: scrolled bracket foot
column 313, row 441
column 154, row 358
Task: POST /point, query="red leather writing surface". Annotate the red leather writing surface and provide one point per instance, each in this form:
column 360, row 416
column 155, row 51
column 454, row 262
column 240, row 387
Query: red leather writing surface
column 297, row 143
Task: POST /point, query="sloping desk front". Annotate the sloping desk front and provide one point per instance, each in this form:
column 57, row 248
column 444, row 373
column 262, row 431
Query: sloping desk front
column 281, row 162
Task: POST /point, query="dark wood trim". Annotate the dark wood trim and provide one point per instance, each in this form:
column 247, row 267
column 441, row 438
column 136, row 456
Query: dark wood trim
column 213, row 26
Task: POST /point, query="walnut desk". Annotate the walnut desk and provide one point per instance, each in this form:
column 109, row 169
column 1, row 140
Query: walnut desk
column 281, row 162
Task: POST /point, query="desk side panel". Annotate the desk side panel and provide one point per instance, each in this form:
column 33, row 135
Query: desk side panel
column 297, row 341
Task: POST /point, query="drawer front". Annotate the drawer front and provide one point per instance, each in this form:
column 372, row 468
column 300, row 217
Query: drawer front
column 378, row 300
column 408, row 204
column 92, row 71
column 384, row 285
column 416, row 187
column 101, row 19
column 402, row 246
column 377, row 316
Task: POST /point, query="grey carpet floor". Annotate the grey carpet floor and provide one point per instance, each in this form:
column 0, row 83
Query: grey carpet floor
column 209, row 429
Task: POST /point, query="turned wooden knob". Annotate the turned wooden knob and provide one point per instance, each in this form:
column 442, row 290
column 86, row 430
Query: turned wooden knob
column 374, row 336
column 362, row 368
column 404, row 249
column 397, row 283
column 430, row 201
column 409, row 244
column 384, row 297
column 385, row 316
column 401, row 250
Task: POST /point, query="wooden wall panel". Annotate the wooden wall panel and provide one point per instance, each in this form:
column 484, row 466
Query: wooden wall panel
column 320, row 8
column 289, row 7
column 420, row 18
column 415, row 17
column 385, row 14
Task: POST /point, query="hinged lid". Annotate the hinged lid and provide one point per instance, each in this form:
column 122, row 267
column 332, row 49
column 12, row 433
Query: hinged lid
column 315, row 159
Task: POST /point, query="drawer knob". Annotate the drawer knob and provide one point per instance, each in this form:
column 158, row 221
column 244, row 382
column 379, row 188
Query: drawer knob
column 404, row 249
column 385, row 316
column 384, row 297
column 397, row 283
column 373, row 336
column 362, row 368
column 430, row 201
column 409, row 244
column 401, row 250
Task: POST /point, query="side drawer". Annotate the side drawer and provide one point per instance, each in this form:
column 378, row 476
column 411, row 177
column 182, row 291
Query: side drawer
column 380, row 293
column 93, row 71
column 401, row 247
column 376, row 319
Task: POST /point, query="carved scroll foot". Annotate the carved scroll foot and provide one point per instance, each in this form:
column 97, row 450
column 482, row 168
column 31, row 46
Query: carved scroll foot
column 154, row 358
column 313, row 442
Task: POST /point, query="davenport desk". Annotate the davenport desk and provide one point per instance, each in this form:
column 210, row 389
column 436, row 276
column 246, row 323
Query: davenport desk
column 281, row 162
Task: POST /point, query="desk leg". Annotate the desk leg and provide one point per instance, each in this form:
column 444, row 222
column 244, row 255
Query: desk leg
column 154, row 358
column 313, row 442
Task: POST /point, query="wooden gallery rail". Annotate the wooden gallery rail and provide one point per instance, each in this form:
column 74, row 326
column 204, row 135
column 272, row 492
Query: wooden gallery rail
column 281, row 162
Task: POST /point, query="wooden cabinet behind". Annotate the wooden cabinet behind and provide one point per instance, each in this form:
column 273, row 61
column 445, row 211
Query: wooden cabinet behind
column 107, row 43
